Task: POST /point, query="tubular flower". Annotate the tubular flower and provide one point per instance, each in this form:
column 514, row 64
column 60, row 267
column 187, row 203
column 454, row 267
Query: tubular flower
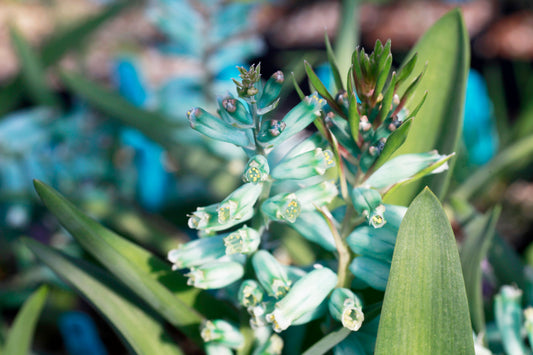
column 346, row 307
column 216, row 274
column 270, row 274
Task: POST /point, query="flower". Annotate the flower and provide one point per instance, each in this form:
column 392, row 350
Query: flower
column 346, row 307
column 215, row 274
column 270, row 274
column 221, row 332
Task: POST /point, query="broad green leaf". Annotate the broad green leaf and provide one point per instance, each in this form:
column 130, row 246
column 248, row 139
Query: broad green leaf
column 425, row 309
column 33, row 74
column 328, row 342
column 479, row 233
column 142, row 272
column 446, row 49
column 141, row 331
column 154, row 125
column 21, row 333
column 55, row 48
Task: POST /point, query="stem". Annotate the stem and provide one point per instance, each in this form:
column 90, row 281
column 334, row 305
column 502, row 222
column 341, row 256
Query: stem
column 343, row 275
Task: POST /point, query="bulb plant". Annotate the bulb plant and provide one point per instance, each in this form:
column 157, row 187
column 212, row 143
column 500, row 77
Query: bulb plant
column 328, row 187
column 384, row 279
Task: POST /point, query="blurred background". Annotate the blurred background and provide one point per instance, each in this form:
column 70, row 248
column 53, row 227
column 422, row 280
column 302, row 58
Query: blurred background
column 93, row 101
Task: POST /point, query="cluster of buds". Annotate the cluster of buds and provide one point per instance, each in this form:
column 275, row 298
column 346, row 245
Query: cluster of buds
column 301, row 191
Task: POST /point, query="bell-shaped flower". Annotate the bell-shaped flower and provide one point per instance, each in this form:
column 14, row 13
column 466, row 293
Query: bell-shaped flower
column 373, row 272
column 270, row 274
column 316, row 195
column 345, row 306
column 197, row 252
column 305, row 165
column 221, row 332
column 234, row 209
column 256, row 170
column 243, row 241
column 364, row 241
column 274, row 132
column 305, row 295
column 282, row 207
column 368, row 203
column 313, row 227
column 273, row 346
column 508, row 314
column 250, row 293
column 215, row 274
column 406, row 168
column 216, row 128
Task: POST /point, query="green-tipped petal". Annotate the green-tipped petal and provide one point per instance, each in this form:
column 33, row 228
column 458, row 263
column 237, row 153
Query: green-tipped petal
column 346, row 307
column 250, row 293
column 305, row 165
column 368, row 203
column 317, row 195
column 236, row 110
column 282, row 207
column 214, row 275
column 197, row 252
column 272, row 89
column 313, row 227
column 222, row 333
column 243, row 241
column 270, row 274
column 305, row 295
column 273, row 346
column 256, row 170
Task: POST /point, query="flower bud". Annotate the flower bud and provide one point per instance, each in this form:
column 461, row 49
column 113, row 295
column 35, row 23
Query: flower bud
column 216, row 128
column 236, row 110
column 407, row 167
column 272, row 89
column 296, row 120
column 250, row 294
column 305, row 295
column 373, row 272
column 270, row 274
column 197, row 252
column 368, row 203
column 282, row 207
column 256, row 170
column 215, row 274
column 243, row 241
column 222, row 333
column 346, row 307
column 305, row 165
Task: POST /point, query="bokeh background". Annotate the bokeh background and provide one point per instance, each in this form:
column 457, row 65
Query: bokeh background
column 93, row 101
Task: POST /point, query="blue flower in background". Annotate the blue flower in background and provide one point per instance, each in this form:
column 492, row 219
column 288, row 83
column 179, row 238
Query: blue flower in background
column 479, row 131
column 152, row 178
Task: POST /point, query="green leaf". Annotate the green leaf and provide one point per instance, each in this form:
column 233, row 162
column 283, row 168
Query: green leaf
column 328, row 342
column 137, row 268
column 438, row 123
column 141, row 331
column 479, row 233
column 154, row 125
column 333, row 65
column 347, row 35
column 395, row 140
column 321, row 89
column 21, row 334
column 33, row 73
column 425, row 309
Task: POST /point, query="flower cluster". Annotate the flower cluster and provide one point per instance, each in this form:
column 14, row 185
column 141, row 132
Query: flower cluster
column 328, row 187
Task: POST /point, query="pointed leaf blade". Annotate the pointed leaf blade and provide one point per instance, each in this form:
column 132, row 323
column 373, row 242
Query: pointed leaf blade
column 21, row 333
column 425, row 310
column 141, row 331
column 438, row 124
